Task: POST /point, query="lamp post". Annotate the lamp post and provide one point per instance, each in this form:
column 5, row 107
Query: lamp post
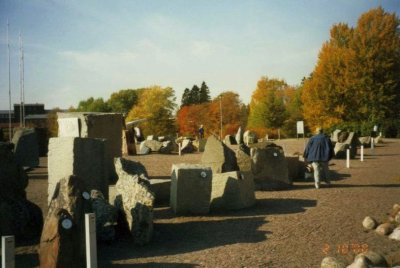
column 220, row 109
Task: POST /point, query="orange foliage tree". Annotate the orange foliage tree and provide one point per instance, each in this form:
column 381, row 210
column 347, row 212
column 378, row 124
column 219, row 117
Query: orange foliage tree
column 357, row 76
column 189, row 118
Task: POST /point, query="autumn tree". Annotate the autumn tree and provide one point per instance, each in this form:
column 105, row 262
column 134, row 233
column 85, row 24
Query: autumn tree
column 229, row 104
column 357, row 76
column 156, row 104
column 189, row 119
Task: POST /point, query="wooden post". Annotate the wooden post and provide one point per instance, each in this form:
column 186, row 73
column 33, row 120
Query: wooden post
column 179, row 148
column 90, row 234
column 7, row 252
column 348, row 158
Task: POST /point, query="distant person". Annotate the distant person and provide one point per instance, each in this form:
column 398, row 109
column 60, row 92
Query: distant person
column 318, row 152
column 201, row 132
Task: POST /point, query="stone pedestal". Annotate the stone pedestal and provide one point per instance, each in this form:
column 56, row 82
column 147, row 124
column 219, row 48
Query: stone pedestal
column 190, row 189
column 232, row 190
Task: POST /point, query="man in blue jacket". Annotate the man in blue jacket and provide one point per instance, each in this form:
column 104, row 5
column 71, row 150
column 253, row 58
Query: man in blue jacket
column 319, row 151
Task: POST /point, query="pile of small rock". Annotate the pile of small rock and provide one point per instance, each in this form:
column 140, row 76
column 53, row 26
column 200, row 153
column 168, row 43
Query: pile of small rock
column 390, row 228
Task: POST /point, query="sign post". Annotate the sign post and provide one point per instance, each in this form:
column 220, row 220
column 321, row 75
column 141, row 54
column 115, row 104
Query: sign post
column 300, row 128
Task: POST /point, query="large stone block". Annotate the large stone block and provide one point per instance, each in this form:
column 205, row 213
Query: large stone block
column 270, row 168
column 232, row 190
column 26, row 148
column 135, row 199
column 128, row 143
column 83, row 157
column 106, row 126
column 219, row 156
column 190, row 189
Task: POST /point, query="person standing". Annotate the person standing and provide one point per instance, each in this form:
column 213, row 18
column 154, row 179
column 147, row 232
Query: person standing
column 201, row 132
column 319, row 151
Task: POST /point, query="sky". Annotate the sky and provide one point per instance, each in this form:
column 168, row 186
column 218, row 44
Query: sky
column 76, row 49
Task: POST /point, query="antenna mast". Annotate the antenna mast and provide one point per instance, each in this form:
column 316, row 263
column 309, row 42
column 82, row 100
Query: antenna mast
column 9, row 85
column 21, row 82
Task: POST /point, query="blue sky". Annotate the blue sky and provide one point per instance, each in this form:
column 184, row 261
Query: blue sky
column 78, row 49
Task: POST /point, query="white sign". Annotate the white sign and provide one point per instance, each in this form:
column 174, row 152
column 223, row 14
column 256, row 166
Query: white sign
column 68, row 127
column 300, row 127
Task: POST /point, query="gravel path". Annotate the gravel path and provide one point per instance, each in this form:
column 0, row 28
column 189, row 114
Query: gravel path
column 291, row 228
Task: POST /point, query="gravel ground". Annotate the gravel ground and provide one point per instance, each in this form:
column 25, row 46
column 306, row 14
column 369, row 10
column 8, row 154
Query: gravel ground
column 297, row 227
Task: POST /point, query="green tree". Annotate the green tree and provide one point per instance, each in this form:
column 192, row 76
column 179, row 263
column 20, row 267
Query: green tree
column 156, row 104
column 93, row 105
column 123, row 100
column 204, row 94
column 267, row 109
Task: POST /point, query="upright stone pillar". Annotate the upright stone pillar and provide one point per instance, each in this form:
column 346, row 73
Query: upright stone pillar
column 83, row 157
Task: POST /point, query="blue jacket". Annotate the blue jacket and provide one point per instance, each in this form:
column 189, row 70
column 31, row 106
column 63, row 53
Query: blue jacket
column 319, row 148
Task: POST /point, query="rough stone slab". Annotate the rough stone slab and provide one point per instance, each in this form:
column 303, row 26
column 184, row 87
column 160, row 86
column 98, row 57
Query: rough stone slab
column 219, row 156
column 366, row 141
column 106, row 216
column 190, row 189
column 154, row 145
column 83, row 157
column 232, row 190
column 59, row 244
column 230, row 140
column 270, row 168
column 167, row 147
column 249, row 137
column 26, row 147
column 106, row 126
column 348, row 140
column 239, row 136
column 135, row 198
column 187, row 146
column 335, row 135
column 72, row 195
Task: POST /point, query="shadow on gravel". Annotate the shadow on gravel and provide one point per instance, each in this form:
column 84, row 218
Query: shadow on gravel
column 154, row 265
column 183, row 237
column 365, row 185
column 263, row 207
